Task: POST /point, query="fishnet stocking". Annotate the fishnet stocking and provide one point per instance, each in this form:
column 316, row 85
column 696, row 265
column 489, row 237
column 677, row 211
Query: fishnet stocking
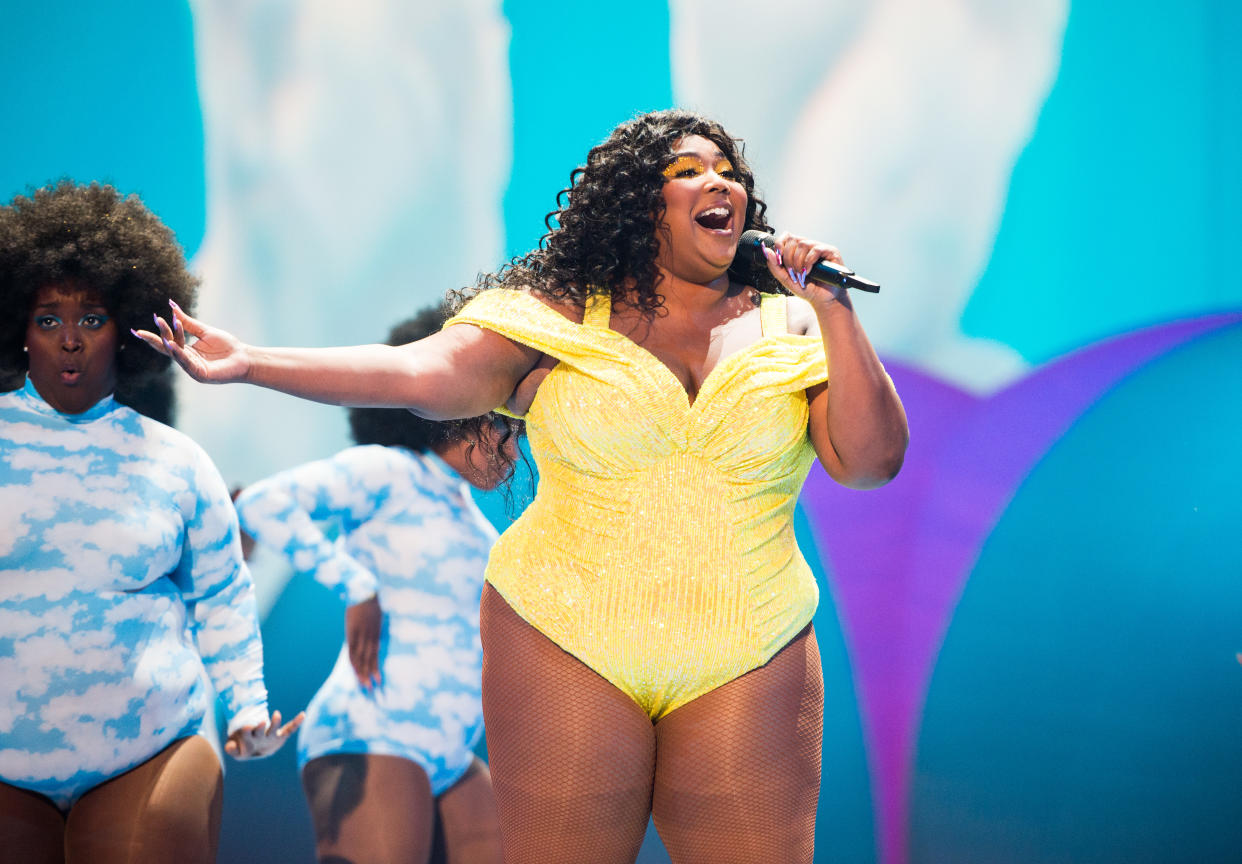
column 572, row 757
column 737, row 769
column 735, row 773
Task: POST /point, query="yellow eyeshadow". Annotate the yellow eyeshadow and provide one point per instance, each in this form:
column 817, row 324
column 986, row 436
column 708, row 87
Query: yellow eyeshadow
column 683, row 163
column 695, row 164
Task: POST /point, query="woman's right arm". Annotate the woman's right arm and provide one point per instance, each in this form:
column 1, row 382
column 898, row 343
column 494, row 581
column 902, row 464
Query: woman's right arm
column 462, row 371
column 283, row 511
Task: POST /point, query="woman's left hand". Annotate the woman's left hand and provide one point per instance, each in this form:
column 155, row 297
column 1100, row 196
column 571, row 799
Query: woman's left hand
column 363, row 624
column 791, row 262
column 263, row 739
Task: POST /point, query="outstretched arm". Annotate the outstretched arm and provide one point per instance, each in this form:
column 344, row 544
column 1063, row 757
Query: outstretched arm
column 462, row 371
column 857, row 424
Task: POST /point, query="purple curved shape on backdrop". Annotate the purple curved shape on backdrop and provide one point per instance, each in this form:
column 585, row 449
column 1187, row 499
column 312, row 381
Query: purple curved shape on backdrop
column 898, row 557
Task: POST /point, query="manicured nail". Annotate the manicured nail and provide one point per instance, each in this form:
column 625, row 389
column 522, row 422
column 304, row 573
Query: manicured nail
column 792, row 274
column 802, row 277
column 135, row 332
column 173, row 304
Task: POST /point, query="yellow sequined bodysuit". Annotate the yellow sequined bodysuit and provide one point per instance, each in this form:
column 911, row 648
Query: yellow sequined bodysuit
column 659, row 549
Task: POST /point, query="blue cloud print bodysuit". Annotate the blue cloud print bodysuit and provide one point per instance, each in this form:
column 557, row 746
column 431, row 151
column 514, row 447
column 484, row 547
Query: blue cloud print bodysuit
column 124, row 602
column 410, row 532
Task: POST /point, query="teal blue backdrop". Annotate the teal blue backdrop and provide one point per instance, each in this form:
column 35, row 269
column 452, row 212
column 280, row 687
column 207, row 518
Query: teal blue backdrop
column 1028, row 650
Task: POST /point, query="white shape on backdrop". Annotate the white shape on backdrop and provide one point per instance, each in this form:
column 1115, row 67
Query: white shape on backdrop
column 889, row 128
column 357, row 157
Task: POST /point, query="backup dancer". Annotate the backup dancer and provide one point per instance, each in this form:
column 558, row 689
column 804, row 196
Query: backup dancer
column 126, row 605
column 386, row 751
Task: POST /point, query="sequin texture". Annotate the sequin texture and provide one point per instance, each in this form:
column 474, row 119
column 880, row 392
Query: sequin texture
column 660, row 547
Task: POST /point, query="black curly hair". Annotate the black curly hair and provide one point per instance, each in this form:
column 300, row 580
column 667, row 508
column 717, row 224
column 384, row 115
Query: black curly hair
column 111, row 244
column 401, row 428
column 603, row 231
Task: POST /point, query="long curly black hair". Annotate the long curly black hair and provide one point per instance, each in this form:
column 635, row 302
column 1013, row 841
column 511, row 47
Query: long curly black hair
column 401, row 428
column 603, row 233
column 93, row 236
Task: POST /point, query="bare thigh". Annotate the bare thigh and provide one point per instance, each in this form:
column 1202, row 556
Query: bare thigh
column 32, row 828
column 371, row 808
column 572, row 757
column 468, row 818
column 738, row 769
column 166, row 809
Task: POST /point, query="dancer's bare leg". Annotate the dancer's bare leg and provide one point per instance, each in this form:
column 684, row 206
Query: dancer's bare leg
column 468, row 818
column 369, row 808
column 32, row 828
column 572, row 757
column 166, row 809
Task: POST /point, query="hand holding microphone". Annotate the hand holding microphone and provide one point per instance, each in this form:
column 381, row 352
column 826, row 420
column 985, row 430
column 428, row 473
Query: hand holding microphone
column 750, row 255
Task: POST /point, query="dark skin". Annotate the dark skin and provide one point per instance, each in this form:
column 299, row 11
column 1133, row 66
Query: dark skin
column 71, row 346
column 860, row 435
column 363, row 621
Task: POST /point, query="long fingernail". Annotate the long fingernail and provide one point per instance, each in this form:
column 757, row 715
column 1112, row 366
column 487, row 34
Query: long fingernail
column 792, row 274
column 135, row 332
column 802, row 277
column 173, row 304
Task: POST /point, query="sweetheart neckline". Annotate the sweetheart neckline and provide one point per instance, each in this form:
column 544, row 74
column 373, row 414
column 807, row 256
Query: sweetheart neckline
column 669, row 375
column 665, row 377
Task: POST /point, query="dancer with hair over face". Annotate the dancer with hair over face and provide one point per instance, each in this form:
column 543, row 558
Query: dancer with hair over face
column 126, row 605
column 386, row 752
column 646, row 624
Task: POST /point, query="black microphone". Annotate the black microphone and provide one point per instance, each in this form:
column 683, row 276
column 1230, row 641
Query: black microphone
column 750, row 254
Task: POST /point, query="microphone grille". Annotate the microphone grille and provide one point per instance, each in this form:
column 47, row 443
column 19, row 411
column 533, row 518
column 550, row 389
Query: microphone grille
column 749, row 256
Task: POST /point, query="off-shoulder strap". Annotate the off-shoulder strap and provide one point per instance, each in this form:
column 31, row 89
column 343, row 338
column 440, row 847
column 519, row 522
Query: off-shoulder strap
column 598, row 310
column 523, row 318
column 772, row 314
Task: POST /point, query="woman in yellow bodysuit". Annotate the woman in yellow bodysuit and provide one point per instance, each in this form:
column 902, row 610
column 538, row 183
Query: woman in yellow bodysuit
column 646, row 623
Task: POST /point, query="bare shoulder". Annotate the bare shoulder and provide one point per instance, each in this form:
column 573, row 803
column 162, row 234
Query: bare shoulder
column 801, row 317
column 565, row 306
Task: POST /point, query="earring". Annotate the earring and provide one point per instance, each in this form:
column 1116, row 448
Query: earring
column 25, row 349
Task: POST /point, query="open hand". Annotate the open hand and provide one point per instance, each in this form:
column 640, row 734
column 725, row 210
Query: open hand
column 215, row 356
column 263, row 739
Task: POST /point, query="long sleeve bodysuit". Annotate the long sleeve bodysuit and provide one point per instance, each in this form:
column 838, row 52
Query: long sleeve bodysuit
column 125, row 606
column 406, row 529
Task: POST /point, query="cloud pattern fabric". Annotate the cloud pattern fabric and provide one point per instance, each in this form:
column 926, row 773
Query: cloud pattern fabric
column 406, row 528
column 125, row 605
